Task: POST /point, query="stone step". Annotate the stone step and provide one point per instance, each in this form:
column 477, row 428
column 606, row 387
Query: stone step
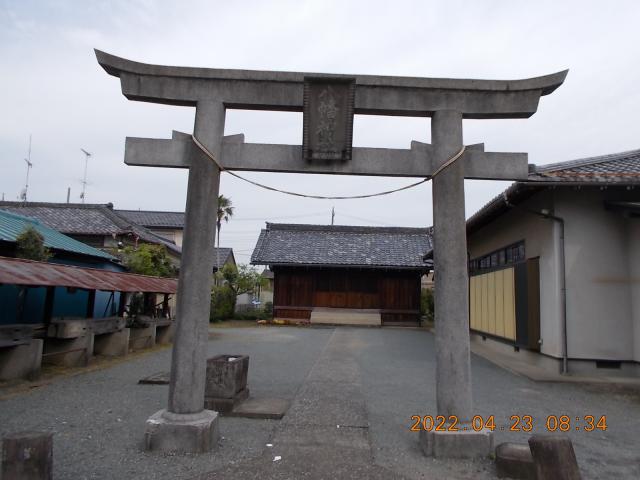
column 345, row 316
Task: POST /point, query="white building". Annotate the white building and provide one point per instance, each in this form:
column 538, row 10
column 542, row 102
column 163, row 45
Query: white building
column 573, row 227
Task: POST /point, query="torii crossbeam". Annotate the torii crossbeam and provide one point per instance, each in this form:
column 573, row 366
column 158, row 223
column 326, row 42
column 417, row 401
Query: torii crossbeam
column 329, row 103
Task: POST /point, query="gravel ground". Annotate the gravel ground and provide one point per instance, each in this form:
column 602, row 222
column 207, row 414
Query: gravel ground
column 377, row 377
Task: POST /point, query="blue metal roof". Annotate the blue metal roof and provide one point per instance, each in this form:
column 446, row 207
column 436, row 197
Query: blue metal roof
column 12, row 225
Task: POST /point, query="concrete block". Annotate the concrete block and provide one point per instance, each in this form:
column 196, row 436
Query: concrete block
column 15, row 334
column 169, row 432
column 225, row 405
column 27, row 456
column 460, row 444
column 21, row 361
column 69, row 327
column 164, row 332
column 226, row 376
column 554, row 457
column 68, row 352
column 514, row 460
column 100, row 326
column 141, row 338
column 114, row 344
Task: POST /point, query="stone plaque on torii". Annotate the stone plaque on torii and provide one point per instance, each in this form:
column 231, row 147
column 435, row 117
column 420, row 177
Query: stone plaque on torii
column 329, row 103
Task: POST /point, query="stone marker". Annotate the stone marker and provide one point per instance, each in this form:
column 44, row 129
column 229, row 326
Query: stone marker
column 554, row 457
column 514, row 460
column 226, row 384
column 27, row 456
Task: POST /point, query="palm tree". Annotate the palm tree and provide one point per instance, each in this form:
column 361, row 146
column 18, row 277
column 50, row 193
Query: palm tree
column 225, row 212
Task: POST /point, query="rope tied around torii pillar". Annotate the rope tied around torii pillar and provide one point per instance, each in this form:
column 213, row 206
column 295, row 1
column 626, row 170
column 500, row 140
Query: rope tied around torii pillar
column 439, row 170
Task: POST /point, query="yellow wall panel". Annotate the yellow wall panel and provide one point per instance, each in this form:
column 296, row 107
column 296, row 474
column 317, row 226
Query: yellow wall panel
column 491, row 300
column 492, row 303
column 509, row 304
column 472, row 303
column 500, row 303
column 485, row 304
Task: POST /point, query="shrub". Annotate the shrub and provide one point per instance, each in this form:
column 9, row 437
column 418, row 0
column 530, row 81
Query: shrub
column 223, row 303
column 268, row 309
column 30, row 245
column 426, row 304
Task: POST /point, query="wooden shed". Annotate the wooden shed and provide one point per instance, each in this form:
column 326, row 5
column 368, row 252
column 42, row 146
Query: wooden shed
column 345, row 274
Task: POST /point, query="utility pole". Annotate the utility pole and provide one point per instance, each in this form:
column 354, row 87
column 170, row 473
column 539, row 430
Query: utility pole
column 333, row 214
column 84, row 179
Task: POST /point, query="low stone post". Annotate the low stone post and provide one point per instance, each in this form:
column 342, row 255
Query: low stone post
column 554, row 457
column 27, row 456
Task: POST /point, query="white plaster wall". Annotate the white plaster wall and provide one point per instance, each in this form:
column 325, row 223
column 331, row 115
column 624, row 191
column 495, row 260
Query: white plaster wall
column 538, row 234
column 599, row 306
column 633, row 229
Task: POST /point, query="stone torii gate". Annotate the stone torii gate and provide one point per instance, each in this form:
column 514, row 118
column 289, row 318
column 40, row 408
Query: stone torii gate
column 329, row 103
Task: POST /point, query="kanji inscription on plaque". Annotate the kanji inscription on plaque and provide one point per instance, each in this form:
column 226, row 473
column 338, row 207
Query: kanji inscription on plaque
column 328, row 118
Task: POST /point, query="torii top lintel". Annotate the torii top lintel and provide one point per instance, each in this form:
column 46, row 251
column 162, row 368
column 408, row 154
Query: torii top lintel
column 284, row 91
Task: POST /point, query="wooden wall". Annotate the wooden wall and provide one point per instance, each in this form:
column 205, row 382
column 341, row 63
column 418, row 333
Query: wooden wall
column 395, row 292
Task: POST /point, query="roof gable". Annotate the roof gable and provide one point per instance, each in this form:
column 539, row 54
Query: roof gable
column 327, row 245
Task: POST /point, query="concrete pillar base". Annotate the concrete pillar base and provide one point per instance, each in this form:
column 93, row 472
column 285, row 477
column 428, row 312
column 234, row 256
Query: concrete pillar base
column 21, row 361
column 461, row 444
column 68, row 352
column 169, row 432
column 164, row 333
column 114, row 344
column 141, row 338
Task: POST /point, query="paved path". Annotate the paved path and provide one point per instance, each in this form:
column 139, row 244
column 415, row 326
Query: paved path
column 369, row 381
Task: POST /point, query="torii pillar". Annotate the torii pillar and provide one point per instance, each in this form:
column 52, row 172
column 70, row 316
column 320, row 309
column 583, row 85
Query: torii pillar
column 329, row 103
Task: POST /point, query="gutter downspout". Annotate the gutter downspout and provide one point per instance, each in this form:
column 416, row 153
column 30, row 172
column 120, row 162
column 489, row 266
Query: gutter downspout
column 563, row 279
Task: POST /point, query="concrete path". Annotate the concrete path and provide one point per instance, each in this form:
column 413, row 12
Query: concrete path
column 325, row 433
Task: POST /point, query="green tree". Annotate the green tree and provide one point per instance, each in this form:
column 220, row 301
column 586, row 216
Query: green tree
column 149, row 259
column 239, row 280
column 225, row 212
column 30, row 245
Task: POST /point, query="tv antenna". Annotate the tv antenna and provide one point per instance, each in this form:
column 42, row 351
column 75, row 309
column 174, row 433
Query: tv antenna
column 84, row 179
column 23, row 194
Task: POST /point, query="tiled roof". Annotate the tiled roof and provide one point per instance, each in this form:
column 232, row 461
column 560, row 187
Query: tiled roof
column 85, row 219
column 225, row 253
column 620, row 167
column 152, row 219
column 12, row 225
column 293, row 244
column 614, row 169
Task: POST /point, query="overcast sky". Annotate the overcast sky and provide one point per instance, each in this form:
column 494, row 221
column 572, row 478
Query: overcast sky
column 52, row 87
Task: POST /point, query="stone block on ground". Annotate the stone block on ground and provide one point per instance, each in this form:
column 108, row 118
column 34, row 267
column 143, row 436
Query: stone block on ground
column 169, row 432
column 460, row 444
column 27, row 456
column 514, row 460
column 226, row 376
column 21, row 361
column 554, row 457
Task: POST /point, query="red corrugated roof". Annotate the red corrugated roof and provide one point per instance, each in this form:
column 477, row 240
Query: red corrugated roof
column 16, row 271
